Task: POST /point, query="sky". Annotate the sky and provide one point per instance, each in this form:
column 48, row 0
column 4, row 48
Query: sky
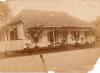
column 83, row 9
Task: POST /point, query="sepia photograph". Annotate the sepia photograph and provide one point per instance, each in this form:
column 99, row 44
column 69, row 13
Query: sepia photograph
column 50, row 36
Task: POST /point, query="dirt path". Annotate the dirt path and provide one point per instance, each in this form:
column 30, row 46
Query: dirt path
column 77, row 61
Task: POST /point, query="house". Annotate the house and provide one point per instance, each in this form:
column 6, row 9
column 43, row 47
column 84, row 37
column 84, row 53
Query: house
column 31, row 28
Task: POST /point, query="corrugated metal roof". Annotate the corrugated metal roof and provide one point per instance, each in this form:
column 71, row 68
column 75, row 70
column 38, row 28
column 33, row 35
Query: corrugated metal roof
column 46, row 19
column 50, row 18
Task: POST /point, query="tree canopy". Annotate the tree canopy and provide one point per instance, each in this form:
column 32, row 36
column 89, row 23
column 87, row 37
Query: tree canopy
column 4, row 12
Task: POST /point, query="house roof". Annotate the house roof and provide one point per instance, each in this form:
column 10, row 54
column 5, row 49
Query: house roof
column 46, row 19
column 49, row 18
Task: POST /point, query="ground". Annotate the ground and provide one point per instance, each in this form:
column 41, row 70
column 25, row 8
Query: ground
column 77, row 61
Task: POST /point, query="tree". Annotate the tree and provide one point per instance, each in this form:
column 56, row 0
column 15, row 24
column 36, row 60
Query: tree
column 5, row 12
column 35, row 33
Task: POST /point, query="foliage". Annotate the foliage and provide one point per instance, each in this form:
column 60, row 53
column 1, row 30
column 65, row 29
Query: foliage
column 35, row 33
column 5, row 12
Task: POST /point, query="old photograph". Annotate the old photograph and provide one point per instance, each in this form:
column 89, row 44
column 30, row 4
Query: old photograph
column 50, row 36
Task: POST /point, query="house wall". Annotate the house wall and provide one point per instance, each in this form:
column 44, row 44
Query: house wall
column 82, row 39
column 21, row 42
column 20, row 31
column 43, row 41
column 8, row 44
column 11, row 45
